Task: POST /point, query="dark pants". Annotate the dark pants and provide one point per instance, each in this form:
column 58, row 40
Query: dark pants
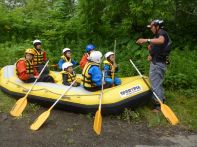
column 46, row 78
column 43, row 78
column 40, row 67
column 98, row 88
column 31, row 80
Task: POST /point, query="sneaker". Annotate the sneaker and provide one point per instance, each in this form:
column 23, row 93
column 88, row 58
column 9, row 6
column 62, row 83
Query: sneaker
column 156, row 110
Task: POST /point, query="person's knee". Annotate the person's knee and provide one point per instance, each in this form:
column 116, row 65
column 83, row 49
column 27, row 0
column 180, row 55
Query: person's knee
column 117, row 81
column 46, row 78
column 109, row 81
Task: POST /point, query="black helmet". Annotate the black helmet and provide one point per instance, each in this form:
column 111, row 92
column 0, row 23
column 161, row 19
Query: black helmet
column 157, row 22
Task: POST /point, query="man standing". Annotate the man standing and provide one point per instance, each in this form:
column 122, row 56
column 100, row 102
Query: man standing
column 159, row 50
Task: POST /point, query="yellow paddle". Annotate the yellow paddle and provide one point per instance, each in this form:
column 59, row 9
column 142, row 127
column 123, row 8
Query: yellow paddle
column 98, row 117
column 22, row 102
column 43, row 117
column 167, row 112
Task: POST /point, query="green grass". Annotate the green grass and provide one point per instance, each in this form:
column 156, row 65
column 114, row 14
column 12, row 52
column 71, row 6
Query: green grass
column 183, row 104
column 7, row 102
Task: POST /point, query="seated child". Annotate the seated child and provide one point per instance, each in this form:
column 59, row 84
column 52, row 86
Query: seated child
column 110, row 68
column 40, row 57
column 26, row 70
column 92, row 74
column 66, row 58
column 89, row 48
column 68, row 75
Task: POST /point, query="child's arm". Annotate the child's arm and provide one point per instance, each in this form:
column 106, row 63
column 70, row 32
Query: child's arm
column 74, row 62
column 61, row 61
column 107, row 70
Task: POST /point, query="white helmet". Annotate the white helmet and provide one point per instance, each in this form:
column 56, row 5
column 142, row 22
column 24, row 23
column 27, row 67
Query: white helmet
column 65, row 49
column 36, row 41
column 66, row 65
column 108, row 54
column 95, row 56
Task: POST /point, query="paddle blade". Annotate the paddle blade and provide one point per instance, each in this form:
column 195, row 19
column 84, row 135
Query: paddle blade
column 40, row 120
column 169, row 114
column 19, row 107
column 97, row 122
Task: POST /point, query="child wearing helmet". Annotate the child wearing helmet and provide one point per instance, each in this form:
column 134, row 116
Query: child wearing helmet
column 91, row 74
column 89, row 48
column 40, row 57
column 110, row 68
column 66, row 57
column 68, row 74
column 26, row 70
column 25, row 67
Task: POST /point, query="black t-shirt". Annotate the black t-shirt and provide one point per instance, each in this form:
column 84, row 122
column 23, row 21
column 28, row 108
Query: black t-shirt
column 158, row 50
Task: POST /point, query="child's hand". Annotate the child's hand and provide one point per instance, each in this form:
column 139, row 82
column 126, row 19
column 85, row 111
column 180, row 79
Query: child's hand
column 75, row 84
column 115, row 65
column 37, row 77
column 113, row 70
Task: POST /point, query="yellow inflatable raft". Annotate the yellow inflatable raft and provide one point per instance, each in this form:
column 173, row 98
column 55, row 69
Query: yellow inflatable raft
column 131, row 93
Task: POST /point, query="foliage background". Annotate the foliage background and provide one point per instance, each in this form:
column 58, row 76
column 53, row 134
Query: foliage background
column 74, row 23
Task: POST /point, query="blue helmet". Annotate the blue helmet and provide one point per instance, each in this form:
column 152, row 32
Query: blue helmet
column 90, row 47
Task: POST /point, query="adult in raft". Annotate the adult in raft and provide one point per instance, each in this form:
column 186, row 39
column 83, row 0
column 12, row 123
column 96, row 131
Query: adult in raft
column 26, row 70
column 92, row 74
column 159, row 49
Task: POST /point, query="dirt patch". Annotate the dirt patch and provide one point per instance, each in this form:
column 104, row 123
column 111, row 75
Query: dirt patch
column 69, row 129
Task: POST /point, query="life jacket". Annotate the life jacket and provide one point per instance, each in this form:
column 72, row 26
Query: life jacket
column 106, row 62
column 66, row 59
column 71, row 77
column 86, row 78
column 29, row 66
column 39, row 57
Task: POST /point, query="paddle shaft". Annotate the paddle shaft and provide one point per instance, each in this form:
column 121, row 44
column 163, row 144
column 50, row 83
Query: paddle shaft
column 62, row 95
column 76, row 67
column 101, row 92
column 145, row 81
column 38, row 78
